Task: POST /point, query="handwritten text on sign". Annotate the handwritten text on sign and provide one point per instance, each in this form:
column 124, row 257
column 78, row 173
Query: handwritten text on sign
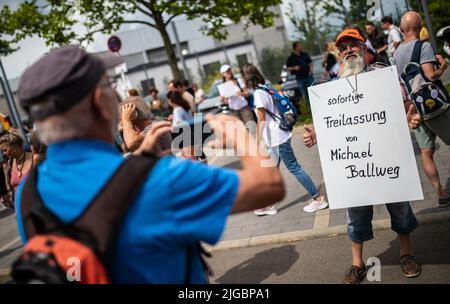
column 364, row 141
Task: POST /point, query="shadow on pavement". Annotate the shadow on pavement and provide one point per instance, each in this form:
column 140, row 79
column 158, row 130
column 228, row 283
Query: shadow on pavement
column 9, row 251
column 6, row 212
column 276, row 260
column 430, row 245
column 234, row 165
column 293, row 203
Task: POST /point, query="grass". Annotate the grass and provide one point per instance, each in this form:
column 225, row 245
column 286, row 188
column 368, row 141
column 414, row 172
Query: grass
column 305, row 113
column 447, row 87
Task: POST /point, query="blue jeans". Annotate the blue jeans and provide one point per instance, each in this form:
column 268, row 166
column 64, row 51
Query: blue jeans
column 359, row 221
column 285, row 153
column 303, row 85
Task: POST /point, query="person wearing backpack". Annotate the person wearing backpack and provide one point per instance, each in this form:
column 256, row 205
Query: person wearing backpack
column 276, row 130
column 430, row 96
column 134, row 220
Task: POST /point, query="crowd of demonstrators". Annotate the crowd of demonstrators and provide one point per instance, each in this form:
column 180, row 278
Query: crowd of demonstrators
column 157, row 241
column 137, row 121
column 352, row 49
column 238, row 102
column 331, row 61
column 433, row 66
column 300, row 64
column 378, row 41
column 394, row 36
column 177, row 85
column 277, row 140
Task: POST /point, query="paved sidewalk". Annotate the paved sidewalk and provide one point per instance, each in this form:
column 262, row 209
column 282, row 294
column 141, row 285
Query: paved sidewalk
column 291, row 216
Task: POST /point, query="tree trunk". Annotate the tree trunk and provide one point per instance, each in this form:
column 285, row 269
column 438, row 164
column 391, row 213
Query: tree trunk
column 169, row 49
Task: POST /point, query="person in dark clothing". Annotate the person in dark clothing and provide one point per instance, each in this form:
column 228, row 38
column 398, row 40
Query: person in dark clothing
column 300, row 64
column 378, row 41
column 330, row 61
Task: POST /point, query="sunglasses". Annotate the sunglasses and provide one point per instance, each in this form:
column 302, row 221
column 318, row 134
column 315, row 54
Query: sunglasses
column 353, row 45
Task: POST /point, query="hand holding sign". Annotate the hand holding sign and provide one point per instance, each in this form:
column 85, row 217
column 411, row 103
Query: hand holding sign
column 309, row 137
column 413, row 117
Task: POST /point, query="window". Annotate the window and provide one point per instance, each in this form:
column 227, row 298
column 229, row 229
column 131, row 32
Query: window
column 211, row 68
column 241, row 59
column 160, row 54
column 146, row 85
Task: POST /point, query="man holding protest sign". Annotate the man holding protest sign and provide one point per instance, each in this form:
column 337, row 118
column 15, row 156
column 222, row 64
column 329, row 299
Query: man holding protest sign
column 352, row 49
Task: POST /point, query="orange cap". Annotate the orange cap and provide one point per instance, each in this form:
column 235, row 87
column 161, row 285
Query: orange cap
column 349, row 33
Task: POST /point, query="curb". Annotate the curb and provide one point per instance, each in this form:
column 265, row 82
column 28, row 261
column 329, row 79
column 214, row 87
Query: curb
column 294, row 236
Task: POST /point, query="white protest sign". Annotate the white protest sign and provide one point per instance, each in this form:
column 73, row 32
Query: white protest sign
column 364, row 142
column 228, row 89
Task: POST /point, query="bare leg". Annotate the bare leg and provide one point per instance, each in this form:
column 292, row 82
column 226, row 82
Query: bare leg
column 431, row 171
column 357, row 250
column 405, row 246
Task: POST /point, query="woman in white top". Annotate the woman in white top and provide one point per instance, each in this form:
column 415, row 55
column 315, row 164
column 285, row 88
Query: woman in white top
column 181, row 108
column 239, row 101
column 277, row 140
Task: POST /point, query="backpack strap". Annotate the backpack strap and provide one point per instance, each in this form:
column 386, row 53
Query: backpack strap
column 103, row 217
column 271, row 93
column 35, row 217
column 99, row 224
column 416, row 52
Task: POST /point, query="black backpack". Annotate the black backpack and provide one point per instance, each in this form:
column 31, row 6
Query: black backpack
column 430, row 98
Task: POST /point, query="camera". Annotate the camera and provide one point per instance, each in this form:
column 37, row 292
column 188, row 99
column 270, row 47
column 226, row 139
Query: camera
column 196, row 131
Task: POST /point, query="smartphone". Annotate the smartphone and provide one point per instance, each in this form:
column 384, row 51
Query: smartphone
column 194, row 132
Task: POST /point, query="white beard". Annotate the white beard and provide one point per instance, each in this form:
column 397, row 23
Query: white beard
column 353, row 67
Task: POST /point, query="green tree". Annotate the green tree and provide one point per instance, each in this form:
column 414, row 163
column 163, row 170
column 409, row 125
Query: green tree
column 354, row 13
column 313, row 29
column 272, row 61
column 437, row 10
column 53, row 19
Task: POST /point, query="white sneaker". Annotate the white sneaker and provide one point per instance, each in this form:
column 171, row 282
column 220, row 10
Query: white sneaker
column 315, row 205
column 271, row 210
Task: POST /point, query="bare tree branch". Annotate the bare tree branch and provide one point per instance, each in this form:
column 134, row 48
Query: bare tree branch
column 139, row 21
column 142, row 10
column 170, row 19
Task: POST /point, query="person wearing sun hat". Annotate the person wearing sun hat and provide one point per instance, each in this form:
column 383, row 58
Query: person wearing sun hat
column 352, row 49
column 238, row 102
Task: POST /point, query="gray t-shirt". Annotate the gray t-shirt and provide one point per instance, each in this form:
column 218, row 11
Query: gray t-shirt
column 404, row 52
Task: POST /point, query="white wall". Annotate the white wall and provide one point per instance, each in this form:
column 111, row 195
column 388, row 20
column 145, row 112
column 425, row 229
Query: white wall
column 162, row 74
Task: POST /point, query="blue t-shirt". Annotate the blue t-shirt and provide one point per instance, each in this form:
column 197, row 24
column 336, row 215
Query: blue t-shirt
column 180, row 204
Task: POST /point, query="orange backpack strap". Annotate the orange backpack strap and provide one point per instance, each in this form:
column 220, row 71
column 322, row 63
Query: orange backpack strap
column 99, row 224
